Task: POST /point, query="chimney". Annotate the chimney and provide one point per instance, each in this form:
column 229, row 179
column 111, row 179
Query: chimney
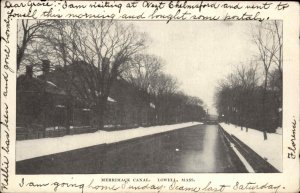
column 45, row 66
column 29, row 71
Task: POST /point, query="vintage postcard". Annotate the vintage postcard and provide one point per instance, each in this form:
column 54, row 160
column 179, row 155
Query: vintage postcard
column 149, row 96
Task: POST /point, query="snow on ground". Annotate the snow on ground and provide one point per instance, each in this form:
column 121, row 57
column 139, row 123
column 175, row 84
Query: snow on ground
column 39, row 147
column 270, row 149
column 279, row 130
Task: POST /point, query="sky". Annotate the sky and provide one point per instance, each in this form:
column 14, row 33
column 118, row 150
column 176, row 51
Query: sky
column 199, row 54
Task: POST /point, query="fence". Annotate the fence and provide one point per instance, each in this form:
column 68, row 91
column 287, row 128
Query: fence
column 24, row 133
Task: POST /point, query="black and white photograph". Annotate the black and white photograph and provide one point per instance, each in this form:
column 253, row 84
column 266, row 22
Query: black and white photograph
column 149, row 96
column 106, row 96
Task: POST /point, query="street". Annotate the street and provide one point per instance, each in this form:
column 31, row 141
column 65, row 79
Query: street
column 197, row 149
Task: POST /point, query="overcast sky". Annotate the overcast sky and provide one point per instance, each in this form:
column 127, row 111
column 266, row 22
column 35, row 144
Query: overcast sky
column 199, row 54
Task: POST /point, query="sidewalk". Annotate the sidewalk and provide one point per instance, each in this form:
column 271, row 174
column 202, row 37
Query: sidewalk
column 28, row 149
column 270, row 149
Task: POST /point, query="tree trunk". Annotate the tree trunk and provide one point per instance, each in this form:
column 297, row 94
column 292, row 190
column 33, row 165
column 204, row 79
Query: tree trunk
column 100, row 110
column 140, row 115
column 70, row 110
column 265, row 135
column 241, row 122
column 100, row 120
column 263, row 125
column 20, row 54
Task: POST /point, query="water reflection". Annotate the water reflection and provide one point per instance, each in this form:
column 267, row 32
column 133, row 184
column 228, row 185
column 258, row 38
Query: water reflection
column 202, row 159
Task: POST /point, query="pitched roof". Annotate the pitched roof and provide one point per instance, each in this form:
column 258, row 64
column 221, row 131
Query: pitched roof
column 32, row 84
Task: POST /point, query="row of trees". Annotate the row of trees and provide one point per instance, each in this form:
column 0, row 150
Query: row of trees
column 171, row 105
column 113, row 50
column 251, row 96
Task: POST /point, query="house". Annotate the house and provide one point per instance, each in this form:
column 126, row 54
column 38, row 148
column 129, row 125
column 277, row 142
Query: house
column 39, row 102
column 52, row 101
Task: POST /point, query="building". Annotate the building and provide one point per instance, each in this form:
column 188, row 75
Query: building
column 54, row 104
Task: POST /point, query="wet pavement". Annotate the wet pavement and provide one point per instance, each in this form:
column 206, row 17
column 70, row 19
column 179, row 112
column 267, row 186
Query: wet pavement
column 197, row 149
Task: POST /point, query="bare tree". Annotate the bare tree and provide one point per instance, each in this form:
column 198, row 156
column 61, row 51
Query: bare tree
column 279, row 55
column 246, row 76
column 28, row 30
column 143, row 70
column 55, row 43
column 106, row 46
column 235, row 95
column 92, row 52
column 269, row 43
column 164, row 86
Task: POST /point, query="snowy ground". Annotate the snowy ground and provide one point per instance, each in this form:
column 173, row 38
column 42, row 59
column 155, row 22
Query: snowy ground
column 270, row 149
column 39, row 147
